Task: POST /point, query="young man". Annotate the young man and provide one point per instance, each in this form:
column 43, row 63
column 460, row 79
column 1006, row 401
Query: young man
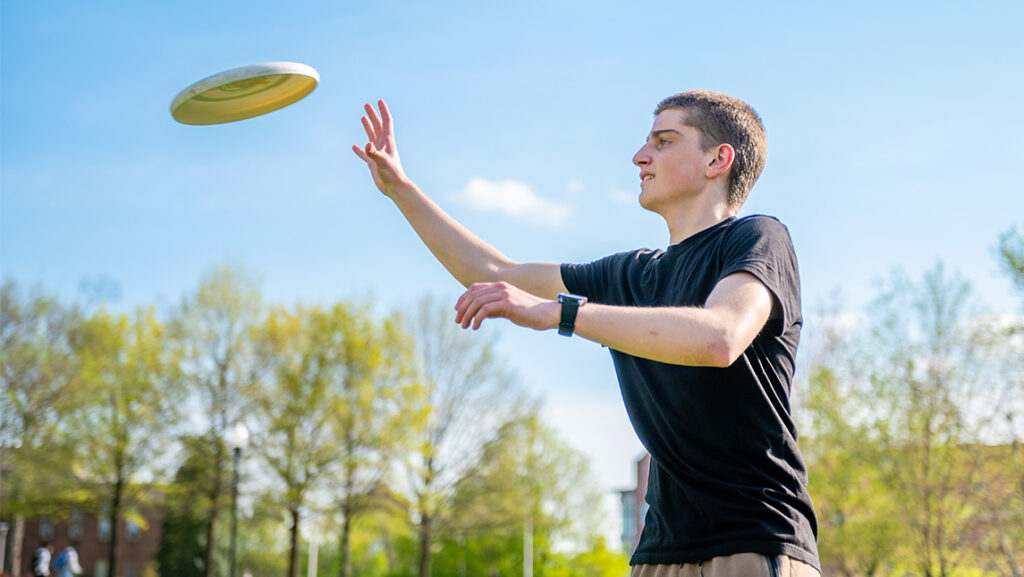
column 703, row 335
column 41, row 560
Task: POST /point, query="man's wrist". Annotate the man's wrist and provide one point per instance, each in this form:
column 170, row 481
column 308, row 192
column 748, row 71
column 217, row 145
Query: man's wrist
column 400, row 188
column 570, row 304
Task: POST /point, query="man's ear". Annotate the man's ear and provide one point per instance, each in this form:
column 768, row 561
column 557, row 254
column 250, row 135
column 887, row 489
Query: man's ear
column 721, row 162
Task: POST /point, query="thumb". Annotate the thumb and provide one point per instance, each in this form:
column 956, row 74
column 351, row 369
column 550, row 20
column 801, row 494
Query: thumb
column 360, row 152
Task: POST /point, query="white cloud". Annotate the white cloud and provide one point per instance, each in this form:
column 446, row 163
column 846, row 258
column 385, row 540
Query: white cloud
column 513, row 198
column 621, row 196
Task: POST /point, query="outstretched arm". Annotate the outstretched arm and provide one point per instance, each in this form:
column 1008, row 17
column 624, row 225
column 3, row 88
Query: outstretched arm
column 713, row 335
column 468, row 258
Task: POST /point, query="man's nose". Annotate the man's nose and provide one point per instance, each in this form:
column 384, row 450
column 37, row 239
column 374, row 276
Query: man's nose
column 641, row 158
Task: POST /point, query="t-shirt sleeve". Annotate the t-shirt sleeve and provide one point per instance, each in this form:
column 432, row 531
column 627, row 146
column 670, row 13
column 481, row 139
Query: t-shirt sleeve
column 596, row 280
column 761, row 246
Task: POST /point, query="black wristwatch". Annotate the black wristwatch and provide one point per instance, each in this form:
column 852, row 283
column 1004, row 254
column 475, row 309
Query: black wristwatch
column 570, row 305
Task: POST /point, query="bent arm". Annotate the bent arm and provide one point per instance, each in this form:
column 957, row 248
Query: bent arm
column 468, row 258
column 714, row 335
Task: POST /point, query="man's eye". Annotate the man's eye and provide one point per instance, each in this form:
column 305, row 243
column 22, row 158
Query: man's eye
column 663, row 142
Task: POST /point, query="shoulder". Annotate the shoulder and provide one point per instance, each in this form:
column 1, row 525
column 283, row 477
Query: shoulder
column 619, row 258
column 759, row 230
column 760, row 224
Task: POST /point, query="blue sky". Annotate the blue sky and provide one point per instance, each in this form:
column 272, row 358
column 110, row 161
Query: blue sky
column 894, row 141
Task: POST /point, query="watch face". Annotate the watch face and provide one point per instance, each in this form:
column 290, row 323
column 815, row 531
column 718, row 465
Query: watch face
column 571, row 298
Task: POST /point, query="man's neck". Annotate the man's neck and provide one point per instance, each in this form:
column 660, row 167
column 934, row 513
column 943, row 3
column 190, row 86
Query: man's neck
column 688, row 221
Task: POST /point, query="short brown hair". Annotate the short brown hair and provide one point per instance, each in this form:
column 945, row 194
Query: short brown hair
column 723, row 119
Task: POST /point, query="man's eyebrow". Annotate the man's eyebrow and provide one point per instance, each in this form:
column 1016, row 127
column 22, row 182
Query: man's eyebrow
column 657, row 133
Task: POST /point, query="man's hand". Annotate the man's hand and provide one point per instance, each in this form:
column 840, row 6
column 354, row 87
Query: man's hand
column 381, row 152
column 503, row 300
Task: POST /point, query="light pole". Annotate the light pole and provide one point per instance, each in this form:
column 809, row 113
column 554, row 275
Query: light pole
column 237, row 438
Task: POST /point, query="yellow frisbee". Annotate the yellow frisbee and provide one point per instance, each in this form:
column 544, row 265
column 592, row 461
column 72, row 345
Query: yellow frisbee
column 244, row 92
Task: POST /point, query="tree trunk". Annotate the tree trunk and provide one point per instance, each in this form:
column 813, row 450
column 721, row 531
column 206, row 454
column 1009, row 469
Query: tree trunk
column 293, row 557
column 115, row 516
column 19, row 539
column 426, row 531
column 346, row 539
column 211, row 522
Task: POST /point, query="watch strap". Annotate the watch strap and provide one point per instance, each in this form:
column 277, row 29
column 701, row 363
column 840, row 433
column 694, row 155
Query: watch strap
column 570, row 307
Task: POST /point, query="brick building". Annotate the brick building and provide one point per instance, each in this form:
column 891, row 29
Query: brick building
column 634, row 507
column 137, row 546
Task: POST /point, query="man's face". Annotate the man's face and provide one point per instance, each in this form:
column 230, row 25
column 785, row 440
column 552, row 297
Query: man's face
column 672, row 164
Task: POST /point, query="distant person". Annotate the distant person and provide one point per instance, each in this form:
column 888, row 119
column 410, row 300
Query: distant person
column 66, row 563
column 703, row 334
column 41, row 560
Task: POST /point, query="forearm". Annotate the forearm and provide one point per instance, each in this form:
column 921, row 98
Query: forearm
column 714, row 335
column 681, row 336
column 467, row 257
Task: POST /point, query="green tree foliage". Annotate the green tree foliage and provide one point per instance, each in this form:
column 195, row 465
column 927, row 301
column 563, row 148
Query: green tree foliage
column 1010, row 255
column 1002, row 489
column 469, row 394
column 294, row 405
column 39, row 373
column 120, row 429
column 97, row 408
column 912, row 428
column 378, row 405
column 38, row 382
column 597, row 561
column 181, row 552
column 262, row 545
column 928, row 373
column 858, row 532
column 529, row 496
column 212, row 332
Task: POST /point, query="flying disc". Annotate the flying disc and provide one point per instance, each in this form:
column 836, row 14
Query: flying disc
column 244, row 92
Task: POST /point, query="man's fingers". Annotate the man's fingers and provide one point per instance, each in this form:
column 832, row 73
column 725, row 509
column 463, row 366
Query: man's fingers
column 368, row 127
column 471, row 308
column 479, row 302
column 371, row 114
column 360, row 152
column 385, row 115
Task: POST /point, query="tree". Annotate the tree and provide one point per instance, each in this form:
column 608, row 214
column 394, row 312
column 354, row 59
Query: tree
column 468, row 396
column 294, row 405
column 120, row 430
column 1003, row 494
column 38, row 383
column 929, row 360
column 1010, row 255
column 528, row 493
column 377, row 406
column 858, row 533
column 212, row 331
column 181, row 552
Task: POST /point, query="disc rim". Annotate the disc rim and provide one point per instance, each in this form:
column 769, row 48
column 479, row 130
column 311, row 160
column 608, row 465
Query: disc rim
column 244, row 73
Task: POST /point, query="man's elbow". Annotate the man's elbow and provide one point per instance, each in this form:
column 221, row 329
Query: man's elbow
column 723, row 350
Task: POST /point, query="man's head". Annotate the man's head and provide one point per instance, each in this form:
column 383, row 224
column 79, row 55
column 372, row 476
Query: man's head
column 722, row 119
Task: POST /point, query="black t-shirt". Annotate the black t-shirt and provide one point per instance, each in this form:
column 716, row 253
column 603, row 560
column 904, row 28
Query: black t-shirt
column 726, row 475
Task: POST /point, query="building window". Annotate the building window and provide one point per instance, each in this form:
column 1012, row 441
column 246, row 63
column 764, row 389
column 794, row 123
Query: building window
column 132, row 532
column 129, row 569
column 75, row 525
column 46, row 528
column 628, row 521
column 103, row 528
column 100, row 569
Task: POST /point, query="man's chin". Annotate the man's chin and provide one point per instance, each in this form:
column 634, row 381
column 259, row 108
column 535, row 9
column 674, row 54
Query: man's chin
column 646, row 202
